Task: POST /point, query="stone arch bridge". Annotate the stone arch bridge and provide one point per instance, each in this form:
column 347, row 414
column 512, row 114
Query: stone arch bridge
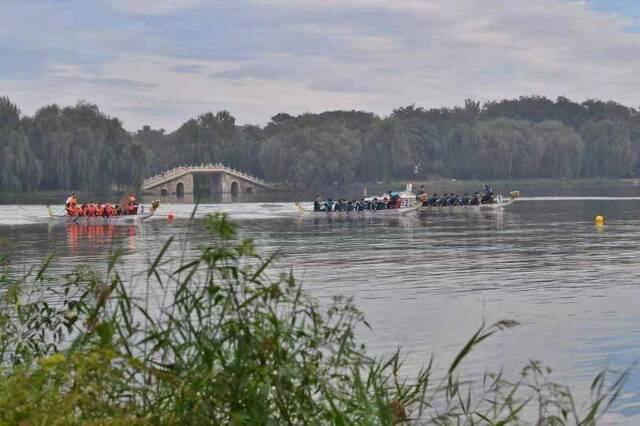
column 205, row 178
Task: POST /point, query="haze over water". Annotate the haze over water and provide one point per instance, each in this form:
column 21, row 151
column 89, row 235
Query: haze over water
column 427, row 283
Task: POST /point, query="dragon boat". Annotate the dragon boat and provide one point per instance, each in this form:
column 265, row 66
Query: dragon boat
column 394, row 212
column 499, row 202
column 407, row 204
column 129, row 219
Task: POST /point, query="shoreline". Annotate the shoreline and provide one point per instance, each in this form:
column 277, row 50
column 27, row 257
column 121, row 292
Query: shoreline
column 434, row 184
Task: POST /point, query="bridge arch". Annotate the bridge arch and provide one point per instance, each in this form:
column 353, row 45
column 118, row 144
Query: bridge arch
column 164, row 192
column 217, row 178
column 180, row 189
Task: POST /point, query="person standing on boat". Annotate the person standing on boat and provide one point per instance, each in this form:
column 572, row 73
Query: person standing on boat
column 422, row 196
column 71, row 205
column 328, row 205
column 317, row 207
column 132, row 205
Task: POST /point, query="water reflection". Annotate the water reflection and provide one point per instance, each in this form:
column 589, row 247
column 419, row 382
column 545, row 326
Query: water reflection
column 91, row 239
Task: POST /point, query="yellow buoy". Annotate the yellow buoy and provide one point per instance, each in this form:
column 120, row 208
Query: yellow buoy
column 599, row 220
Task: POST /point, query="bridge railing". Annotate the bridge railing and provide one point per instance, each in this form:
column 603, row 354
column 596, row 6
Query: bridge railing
column 181, row 170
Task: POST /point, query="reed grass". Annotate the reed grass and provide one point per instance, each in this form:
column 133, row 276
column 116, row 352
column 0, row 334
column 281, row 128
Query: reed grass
column 215, row 339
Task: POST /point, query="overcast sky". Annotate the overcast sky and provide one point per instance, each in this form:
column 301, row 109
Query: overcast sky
column 161, row 62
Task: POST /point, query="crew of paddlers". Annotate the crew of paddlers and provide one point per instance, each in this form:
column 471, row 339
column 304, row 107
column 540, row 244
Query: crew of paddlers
column 453, row 199
column 94, row 209
column 391, row 200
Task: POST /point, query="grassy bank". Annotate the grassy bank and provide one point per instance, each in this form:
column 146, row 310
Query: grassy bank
column 216, row 339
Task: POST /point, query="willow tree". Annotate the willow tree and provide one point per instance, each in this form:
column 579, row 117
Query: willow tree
column 312, row 155
column 19, row 170
column 607, row 149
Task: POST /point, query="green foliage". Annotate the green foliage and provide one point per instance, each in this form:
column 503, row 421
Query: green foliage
column 608, row 150
column 231, row 345
column 73, row 147
column 310, row 154
column 528, row 137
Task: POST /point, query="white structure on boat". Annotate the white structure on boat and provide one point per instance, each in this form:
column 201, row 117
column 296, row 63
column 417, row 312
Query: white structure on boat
column 212, row 178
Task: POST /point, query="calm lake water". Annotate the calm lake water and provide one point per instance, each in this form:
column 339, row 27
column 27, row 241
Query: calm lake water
column 427, row 283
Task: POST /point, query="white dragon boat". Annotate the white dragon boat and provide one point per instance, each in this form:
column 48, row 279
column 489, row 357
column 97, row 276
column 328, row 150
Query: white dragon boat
column 498, row 203
column 407, row 205
column 400, row 211
column 129, row 219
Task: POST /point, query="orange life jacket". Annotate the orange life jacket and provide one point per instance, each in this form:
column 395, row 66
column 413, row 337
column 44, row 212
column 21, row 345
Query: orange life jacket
column 110, row 210
column 99, row 209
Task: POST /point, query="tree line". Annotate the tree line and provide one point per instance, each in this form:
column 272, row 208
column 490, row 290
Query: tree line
column 79, row 147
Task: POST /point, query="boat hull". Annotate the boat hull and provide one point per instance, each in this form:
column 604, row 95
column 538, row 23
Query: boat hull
column 359, row 214
column 99, row 220
column 478, row 207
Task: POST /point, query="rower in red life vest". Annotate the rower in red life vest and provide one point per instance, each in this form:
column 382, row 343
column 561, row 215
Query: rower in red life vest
column 100, row 210
column 71, row 205
column 110, row 209
column 132, row 205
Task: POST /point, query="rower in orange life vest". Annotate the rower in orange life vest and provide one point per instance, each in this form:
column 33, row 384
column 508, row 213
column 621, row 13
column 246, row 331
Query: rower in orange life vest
column 71, row 205
column 132, row 205
column 90, row 209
